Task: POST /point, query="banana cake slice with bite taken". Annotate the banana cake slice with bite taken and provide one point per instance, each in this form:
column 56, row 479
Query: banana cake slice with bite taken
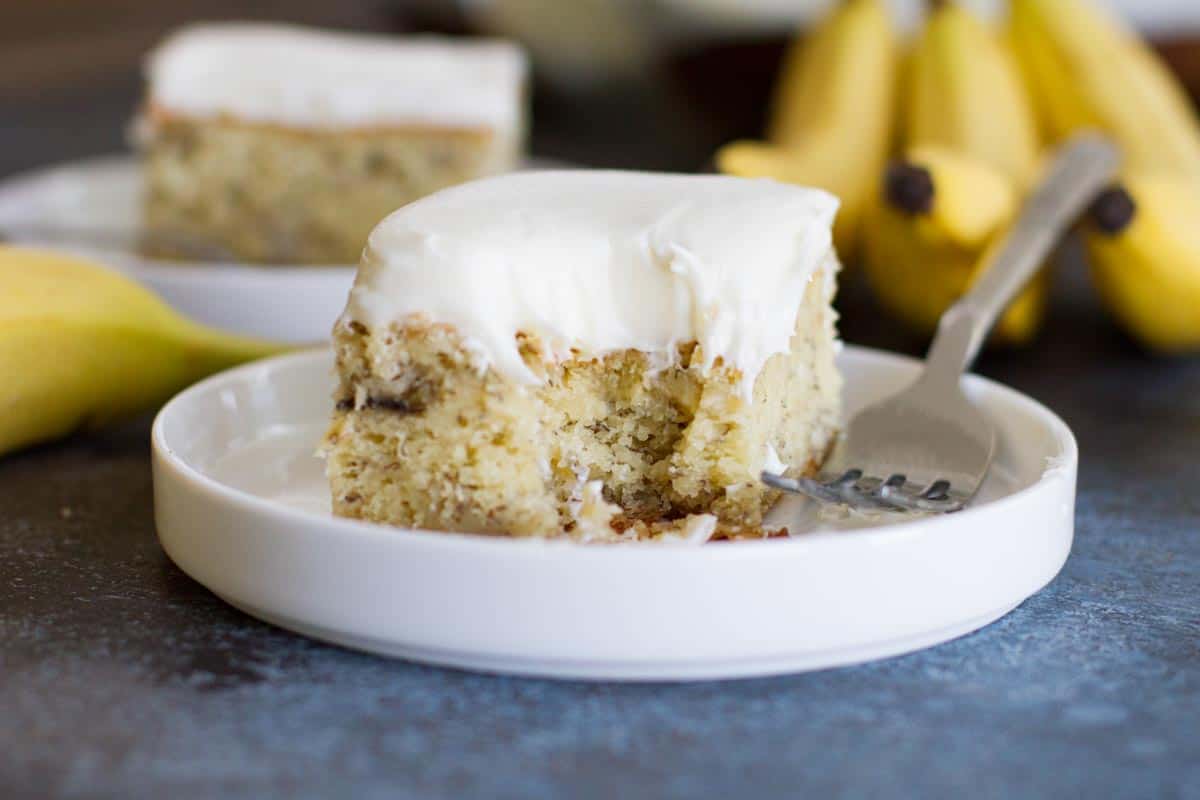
column 601, row 355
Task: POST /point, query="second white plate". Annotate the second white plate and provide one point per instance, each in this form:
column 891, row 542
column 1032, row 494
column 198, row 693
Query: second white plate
column 242, row 506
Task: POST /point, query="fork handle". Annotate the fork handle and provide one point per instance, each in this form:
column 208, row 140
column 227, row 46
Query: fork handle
column 1081, row 170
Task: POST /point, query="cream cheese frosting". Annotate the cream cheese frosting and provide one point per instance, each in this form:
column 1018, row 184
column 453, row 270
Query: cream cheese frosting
column 601, row 261
column 293, row 76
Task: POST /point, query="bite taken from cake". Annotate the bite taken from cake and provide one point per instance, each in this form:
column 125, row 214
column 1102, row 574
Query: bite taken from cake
column 600, row 355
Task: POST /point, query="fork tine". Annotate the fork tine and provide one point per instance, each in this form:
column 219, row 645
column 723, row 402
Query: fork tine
column 936, row 498
column 881, row 495
column 805, row 486
column 891, row 490
column 848, row 478
column 943, row 505
column 937, row 490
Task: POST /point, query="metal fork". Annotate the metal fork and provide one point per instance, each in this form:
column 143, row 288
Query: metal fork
column 928, row 448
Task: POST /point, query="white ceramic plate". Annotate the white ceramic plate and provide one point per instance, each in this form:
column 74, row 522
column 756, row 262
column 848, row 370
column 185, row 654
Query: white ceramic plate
column 289, row 303
column 241, row 506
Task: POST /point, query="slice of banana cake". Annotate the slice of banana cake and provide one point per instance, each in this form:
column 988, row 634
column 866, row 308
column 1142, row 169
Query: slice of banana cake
column 277, row 143
column 587, row 353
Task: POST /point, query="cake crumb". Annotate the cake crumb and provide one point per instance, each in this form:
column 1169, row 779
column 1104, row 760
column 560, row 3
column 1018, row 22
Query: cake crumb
column 594, row 515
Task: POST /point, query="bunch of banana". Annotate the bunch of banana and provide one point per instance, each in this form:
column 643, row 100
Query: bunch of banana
column 830, row 121
column 81, row 346
column 970, row 151
column 1087, row 71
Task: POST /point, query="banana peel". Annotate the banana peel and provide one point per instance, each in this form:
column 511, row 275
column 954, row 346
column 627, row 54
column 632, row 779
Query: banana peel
column 932, row 235
column 81, row 347
column 964, row 92
column 1087, row 71
column 840, row 76
column 1143, row 245
column 830, row 122
column 821, row 164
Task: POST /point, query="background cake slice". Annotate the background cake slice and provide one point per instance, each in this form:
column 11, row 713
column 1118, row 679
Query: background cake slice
column 283, row 144
column 586, row 352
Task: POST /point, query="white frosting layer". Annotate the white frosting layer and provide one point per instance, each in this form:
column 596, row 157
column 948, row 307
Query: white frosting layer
column 601, row 261
column 299, row 77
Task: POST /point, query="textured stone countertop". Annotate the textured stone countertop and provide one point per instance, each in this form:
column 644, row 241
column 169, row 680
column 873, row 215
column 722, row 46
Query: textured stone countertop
column 119, row 676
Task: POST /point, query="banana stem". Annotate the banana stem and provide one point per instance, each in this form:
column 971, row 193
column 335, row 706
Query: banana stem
column 207, row 350
column 909, row 188
column 1113, row 211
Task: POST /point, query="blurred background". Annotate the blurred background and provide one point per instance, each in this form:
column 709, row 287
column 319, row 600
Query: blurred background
column 654, row 84
column 643, row 84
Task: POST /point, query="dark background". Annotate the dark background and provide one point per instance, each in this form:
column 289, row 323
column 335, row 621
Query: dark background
column 70, row 79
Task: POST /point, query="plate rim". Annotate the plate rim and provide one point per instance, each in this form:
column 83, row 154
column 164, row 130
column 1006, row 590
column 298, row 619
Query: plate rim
column 535, row 547
column 683, row 670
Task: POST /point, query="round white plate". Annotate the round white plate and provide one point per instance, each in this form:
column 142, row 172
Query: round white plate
column 289, row 303
column 241, row 506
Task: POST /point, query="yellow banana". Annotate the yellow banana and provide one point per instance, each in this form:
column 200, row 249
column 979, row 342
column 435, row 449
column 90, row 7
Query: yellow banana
column 81, row 346
column 1144, row 250
column 964, row 92
column 928, row 239
column 1087, row 71
column 830, row 120
column 836, row 74
column 971, row 147
column 820, row 164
